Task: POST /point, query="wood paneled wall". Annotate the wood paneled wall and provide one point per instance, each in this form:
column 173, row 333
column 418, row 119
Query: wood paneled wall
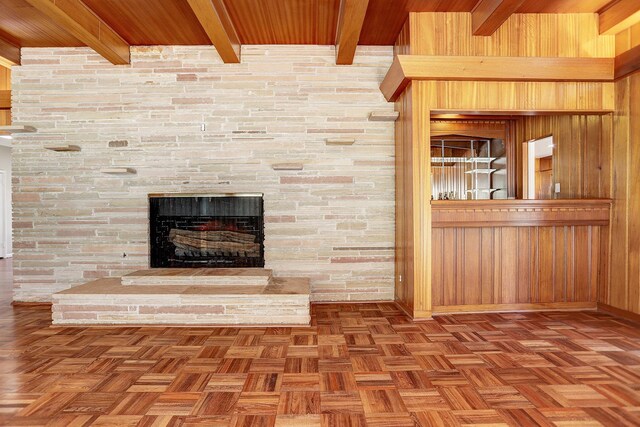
column 628, row 39
column 450, row 34
column 413, row 213
column 5, row 84
column 582, row 153
column 553, row 35
column 624, row 289
column 551, row 266
column 518, row 254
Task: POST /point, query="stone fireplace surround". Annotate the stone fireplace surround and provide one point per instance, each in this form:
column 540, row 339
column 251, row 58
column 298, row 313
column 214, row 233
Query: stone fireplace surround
column 331, row 221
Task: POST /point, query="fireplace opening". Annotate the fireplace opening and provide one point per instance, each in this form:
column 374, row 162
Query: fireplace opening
column 225, row 231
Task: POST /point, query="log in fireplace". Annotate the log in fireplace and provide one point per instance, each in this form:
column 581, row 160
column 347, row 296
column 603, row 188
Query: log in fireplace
column 213, row 230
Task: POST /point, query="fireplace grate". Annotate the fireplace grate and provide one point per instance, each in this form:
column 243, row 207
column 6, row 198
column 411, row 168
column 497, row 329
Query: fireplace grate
column 206, row 231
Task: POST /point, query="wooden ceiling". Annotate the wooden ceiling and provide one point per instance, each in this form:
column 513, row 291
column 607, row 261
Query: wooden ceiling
column 33, row 23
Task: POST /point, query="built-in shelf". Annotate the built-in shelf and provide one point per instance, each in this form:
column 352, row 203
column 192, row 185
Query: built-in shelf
column 287, row 166
column 480, row 159
column 462, row 159
column 484, row 190
column 383, row 116
column 481, row 171
column 118, row 171
column 448, row 159
column 62, row 148
column 340, row 141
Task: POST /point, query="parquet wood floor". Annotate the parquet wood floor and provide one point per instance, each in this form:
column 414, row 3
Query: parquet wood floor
column 357, row 365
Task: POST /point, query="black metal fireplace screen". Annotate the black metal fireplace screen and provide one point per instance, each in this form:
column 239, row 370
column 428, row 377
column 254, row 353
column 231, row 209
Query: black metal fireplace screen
column 225, row 231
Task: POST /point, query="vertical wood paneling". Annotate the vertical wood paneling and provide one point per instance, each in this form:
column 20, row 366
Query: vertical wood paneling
column 546, row 270
column 404, row 203
column 623, row 290
column 582, row 154
column 582, row 262
column 5, row 84
column 524, row 259
column 509, row 264
column 437, row 260
column 516, row 265
column 555, row 35
column 450, row 266
column 487, row 255
column 548, row 276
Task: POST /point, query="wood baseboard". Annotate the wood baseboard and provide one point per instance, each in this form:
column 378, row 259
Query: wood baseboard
column 618, row 312
column 484, row 308
column 32, row 304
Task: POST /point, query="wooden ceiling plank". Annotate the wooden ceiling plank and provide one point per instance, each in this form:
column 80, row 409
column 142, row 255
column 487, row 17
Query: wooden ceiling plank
column 627, row 62
column 350, row 21
column 406, row 68
column 620, row 16
column 78, row 20
column 488, row 15
column 215, row 21
column 9, row 53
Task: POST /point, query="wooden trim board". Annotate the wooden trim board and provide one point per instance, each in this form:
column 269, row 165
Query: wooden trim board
column 483, row 308
column 519, row 213
column 406, row 68
column 618, row 312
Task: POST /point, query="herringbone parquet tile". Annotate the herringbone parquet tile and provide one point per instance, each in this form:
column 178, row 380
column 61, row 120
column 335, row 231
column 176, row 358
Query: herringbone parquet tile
column 357, row 365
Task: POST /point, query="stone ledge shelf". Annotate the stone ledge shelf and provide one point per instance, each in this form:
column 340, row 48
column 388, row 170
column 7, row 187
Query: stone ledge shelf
column 340, row 141
column 62, row 148
column 281, row 301
column 383, row 116
column 119, row 171
column 287, row 166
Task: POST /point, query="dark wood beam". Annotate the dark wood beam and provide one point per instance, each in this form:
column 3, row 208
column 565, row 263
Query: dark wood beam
column 77, row 19
column 350, row 21
column 406, row 68
column 619, row 16
column 627, row 62
column 488, row 15
column 9, row 52
column 215, row 21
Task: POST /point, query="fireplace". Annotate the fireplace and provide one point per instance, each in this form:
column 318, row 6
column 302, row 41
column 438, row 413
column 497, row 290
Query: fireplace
column 213, row 230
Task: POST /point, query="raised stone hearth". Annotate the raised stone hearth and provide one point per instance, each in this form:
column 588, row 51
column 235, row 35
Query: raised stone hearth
column 201, row 276
column 186, row 296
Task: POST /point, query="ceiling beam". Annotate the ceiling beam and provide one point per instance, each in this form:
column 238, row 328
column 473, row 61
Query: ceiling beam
column 77, row 19
column 620, row 16
column 488, row 15
column 350, row 21
column 9, row 53
column 627, row 62
column 215, row 21
column 406, row 68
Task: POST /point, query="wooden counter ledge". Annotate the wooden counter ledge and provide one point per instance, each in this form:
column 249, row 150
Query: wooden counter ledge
column 519, row 213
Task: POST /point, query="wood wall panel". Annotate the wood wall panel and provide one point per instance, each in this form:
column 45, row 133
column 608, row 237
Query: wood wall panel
column 515, row 265
column 551, row 35
column 623, row 291
column 531, row 284
column 404, row 203
column 541, row 97
column 628, row 39
column 5, row 84
column 582, row 153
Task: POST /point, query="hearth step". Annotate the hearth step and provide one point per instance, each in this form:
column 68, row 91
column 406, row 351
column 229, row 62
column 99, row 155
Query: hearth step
column 198, row 276
column 284, row 301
